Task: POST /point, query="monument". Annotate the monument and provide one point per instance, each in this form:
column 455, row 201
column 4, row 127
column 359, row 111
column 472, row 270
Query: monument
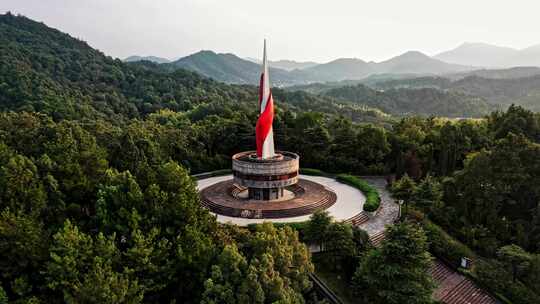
column 266, row 182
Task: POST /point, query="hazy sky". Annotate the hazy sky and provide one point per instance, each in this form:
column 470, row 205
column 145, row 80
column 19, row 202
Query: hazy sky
column 295, row 29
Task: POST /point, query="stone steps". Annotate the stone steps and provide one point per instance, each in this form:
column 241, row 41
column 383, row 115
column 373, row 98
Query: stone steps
column 466, row 292
column 377, row 238
column 440, row 271
column 358, row 219
column 324, row 203
column 452, row 287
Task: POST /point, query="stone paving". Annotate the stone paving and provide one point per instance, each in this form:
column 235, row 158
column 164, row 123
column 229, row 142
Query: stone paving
column 349, row 201
column 388, row 211
column 309, row 193
column 452, row 287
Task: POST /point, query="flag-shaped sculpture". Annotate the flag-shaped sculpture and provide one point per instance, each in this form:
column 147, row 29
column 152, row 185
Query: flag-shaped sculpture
column 263, row 131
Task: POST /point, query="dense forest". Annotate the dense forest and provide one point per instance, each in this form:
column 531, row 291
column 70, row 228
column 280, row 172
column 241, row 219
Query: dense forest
column 500, row 87
column 419, row 101
column 97, row 204
column 470, row 94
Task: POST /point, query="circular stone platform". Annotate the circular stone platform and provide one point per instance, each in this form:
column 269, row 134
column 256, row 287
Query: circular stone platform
column 306, row 197
column 348, row 200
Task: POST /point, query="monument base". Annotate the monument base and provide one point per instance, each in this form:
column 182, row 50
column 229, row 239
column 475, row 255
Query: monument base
column 229, row 199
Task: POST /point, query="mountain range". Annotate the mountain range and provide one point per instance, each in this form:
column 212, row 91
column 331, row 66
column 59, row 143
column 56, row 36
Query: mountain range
column 285, row 64
column 81, row 82
column 487, row 55
column 230, row 68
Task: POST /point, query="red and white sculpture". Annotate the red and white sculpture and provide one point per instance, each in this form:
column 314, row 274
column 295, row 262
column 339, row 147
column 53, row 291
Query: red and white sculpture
column 263, row 131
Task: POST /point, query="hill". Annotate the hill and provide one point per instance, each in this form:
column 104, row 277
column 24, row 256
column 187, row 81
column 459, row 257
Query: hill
column 290, row 65
column 527, row 57
column 287, row 65
column 147, row 58
column 51, row 72
column 339, row 69
column 43, row 69
column 521, row 91
column 515, row 72
column 230, row 68
column 486, row 55
column 417, row 63
column 500, row 90
column 479, row 54
column 425, row 101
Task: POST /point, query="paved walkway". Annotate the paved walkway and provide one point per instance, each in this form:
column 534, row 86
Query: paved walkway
column 388, row 211
column 452, row 287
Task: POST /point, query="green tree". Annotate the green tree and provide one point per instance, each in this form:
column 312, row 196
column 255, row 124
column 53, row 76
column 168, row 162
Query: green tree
column 20, row 186
column 361, row 240
column 516, row 258
column 150, row 259
column 282, row 249
column 23, row 248
column 316, row 229
column 232, row 281
column 3, row 296
column 404, row 189
column 372, row 147
column 120, row 203
column 397, row 272
column 339, row 246
column 82, row 269
column 428, row 194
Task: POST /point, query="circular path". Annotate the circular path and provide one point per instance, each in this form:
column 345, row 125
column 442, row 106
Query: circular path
column 305, row 198
column 349, row 201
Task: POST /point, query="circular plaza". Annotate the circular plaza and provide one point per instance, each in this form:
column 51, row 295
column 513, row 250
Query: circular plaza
column 230, row 202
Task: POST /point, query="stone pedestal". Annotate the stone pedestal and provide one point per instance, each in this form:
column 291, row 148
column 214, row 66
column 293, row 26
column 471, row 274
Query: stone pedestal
column 265, row 178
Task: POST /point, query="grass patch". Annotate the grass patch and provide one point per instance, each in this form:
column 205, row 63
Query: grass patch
column 373, row 200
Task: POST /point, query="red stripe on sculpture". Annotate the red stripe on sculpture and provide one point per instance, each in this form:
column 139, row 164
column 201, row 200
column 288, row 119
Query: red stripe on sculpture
column 264, row 124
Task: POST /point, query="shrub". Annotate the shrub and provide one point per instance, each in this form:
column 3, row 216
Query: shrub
column 491, row 274
column 373, row 201
column 415, row 215
column 444, row 246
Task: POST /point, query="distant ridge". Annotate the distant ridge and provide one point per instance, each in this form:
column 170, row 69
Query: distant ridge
column 515, row 72
column 340, row 69
column 418, row 63
column 230, row 68
column 146, row 58
column 285, row 64
column 478, row 58
column 487, row 55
